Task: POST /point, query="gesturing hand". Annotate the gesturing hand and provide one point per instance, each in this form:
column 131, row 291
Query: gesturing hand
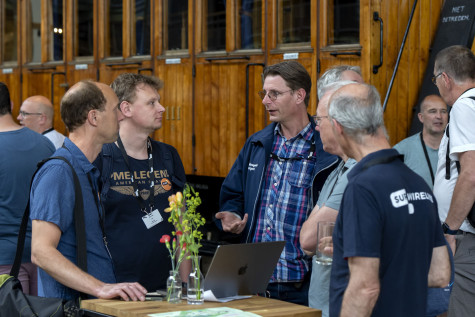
column 231, row 223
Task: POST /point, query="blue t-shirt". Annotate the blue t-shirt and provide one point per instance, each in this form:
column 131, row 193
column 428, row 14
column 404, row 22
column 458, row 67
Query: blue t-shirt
column 388, row 212
column 137, row 253
column 52, row 199
column 20, row 150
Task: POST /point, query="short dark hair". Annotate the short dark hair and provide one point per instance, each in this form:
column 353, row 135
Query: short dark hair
column 294, row 74
column 77, row 102
column 457, row 61
column 125, row 84
column 5, row 103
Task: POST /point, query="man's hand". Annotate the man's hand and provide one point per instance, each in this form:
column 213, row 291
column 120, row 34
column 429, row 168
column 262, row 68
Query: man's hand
column 325, row 245
column 231, row 223
column 126, row 291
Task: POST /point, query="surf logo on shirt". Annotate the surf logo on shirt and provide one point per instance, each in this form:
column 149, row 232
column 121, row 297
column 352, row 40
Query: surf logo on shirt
column 400, row 198
column 121, row 183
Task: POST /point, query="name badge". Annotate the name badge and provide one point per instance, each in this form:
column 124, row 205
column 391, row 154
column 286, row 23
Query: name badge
column 152, row 219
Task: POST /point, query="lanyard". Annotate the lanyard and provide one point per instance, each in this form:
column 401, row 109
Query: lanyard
column 100, row 209
column 427, row 158
column 296, row 158
column 151, row 177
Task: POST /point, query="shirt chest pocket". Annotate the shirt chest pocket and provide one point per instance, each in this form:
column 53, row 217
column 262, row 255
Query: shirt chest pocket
column 301, row 173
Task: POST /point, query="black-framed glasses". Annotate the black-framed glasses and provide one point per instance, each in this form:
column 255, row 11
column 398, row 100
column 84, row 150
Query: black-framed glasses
column 434, row 78
column 24, row 113
column 318, row 119
column 273, row 94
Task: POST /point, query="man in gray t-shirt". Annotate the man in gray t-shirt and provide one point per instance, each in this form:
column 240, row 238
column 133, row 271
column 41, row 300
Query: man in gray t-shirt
column 328, row 203
column 421, row 150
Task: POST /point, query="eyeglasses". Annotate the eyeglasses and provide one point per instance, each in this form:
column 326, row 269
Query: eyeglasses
column 273, row 94
column 24, row 113
column 317, row 119
column 434, row 78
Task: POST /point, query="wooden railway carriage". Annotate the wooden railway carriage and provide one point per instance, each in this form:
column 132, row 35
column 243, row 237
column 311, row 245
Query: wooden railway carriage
column 210, row 55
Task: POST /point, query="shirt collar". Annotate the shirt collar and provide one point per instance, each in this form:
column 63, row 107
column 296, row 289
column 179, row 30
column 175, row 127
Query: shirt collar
column 306, row 133
column 79, row 157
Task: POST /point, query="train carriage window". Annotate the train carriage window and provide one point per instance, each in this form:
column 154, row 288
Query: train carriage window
column 85, row 28
column 9, row 31
column 114, row 32
column 293, row 21
column 142, row 27
column 249, row 22
column 34, row 32
column 176, row 24
column 346, row 22
column 56, row 29
column 215, row 23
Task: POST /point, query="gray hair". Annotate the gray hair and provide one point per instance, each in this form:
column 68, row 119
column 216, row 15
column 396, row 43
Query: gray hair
column 458, row 62
column 359, row 114
column 334, row 86
column 332, row 75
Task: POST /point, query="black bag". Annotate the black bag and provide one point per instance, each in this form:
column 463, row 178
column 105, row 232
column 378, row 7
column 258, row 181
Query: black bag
column 13, row 302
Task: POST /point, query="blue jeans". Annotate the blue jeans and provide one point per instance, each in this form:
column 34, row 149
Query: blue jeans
column 293, row 292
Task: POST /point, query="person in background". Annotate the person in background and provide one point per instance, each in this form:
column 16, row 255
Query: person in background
column 139, row 220
column 328, row 202
column 89, row 111
column 421, row 155
column 454, row 76
column 21, row 150
column 37, row 113
column 421, row 150
column 387, row 232
column 274, row 183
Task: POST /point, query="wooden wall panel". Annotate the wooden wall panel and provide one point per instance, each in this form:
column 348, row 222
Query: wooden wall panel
column 176, row 97
column 219, row 116
column 12, row 81
column 414, row 59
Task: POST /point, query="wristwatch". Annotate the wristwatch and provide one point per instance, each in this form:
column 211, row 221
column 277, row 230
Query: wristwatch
column 446, row 229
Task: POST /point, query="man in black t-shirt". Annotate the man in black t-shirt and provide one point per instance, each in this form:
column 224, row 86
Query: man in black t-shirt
column 135, row 218
column 388, row 242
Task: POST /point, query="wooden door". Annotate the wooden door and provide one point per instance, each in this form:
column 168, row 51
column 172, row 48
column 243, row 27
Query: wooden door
column 42, row 56
column 228, row 61
column 124, row 36
column 174, row 66
column 10, row 63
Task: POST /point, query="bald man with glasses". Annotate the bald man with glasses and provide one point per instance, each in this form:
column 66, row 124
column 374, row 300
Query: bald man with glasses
column 37, row 113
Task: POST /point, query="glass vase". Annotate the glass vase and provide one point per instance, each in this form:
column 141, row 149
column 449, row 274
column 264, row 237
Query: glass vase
column 174, row 287
column 195, row 290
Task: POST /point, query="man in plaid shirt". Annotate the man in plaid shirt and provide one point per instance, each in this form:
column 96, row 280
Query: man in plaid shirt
column 275, row 181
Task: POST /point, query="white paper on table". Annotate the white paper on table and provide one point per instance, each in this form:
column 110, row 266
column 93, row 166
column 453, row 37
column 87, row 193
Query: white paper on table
column 209, row 297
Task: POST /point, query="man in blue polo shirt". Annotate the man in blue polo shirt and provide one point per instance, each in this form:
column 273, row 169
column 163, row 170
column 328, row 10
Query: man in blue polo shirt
column 388, row 242
column 89, row 111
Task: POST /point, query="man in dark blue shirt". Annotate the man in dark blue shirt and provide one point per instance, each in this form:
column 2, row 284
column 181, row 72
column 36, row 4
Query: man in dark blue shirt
column 89, row 111
column 388, row 242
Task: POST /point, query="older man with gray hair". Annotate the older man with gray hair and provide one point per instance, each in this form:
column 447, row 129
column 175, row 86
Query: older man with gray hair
column 328, row 202
column 387, row 231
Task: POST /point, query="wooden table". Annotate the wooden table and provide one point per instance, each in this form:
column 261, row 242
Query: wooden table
column 257, row 305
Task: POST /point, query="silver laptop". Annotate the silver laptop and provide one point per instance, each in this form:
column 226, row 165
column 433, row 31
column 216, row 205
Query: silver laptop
column 242, row 269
